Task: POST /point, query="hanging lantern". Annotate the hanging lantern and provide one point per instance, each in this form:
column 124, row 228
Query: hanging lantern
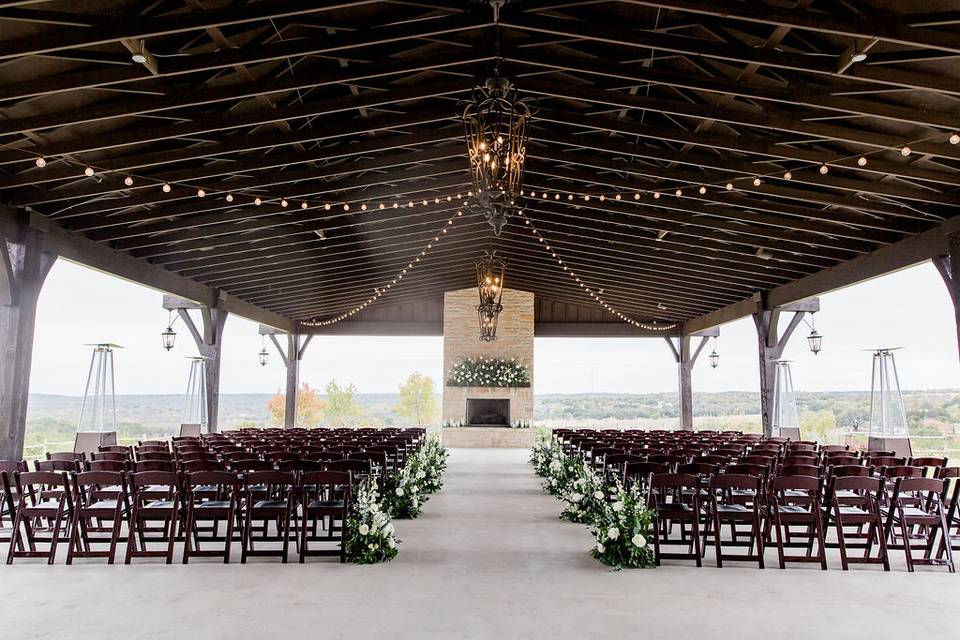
column 490, row 278
column 169, row 337
column 714, row 359
column 814, row 340
column 263, row 356
column 496, row 126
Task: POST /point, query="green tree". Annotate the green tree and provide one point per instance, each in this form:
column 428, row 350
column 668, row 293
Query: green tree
column 342, row 409
column 418, row 401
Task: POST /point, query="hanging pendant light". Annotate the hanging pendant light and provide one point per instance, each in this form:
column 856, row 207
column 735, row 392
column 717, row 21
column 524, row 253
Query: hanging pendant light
column 714, row 358
column 814, row 340
column 490, row 279
column 168, row 336
column 496, row 127
column 263, row 356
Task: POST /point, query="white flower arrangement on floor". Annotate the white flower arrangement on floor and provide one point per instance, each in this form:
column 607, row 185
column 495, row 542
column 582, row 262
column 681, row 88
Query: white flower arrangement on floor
column 622, row 529
column 619, row 518
column 422, row 474
column 369, row 537
column 489, row 372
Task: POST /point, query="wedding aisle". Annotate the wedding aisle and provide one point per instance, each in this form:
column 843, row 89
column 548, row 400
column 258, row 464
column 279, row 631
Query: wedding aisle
column 487, row 559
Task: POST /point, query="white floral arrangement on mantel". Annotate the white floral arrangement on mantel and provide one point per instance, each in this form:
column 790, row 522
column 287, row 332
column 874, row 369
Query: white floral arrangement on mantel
column 489, row 372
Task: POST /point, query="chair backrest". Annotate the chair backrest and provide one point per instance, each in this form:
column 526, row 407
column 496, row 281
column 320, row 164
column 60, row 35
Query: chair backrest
column 734, row 481
column 190, row 466
column 674, row 481
column 246, row 466
column 810, row 484
column 640, row 471
column 846, row 470
column 701, row 469
column 919, row 487
column 224, row 480
column 153, row 465
column 280, row 456
column 280, row 483
column 152, row 479
column 96, row 479
column 56, row 465
column 106, row 465
column 114, row 448
column 788, row 470
column 301, row 465
column 109, row 455
column 325, row 484
column 856, row 483
column 886, row 461
column 358, row 468
column 902, row 471
column 155, row 455
column 66, row 455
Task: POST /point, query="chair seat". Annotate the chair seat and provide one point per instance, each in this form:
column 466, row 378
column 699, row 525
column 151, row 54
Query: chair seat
column 270, row 504
column 674, row 506
column 325, row 504
column 103, row 504
column 854, row 511
column 793, row 508
column 213, row 504
column 733, row 508
column 743, row 492
column 160, row 504
column 796, row 493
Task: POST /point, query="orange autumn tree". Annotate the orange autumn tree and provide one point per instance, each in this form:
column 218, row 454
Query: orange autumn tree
column 310, row 407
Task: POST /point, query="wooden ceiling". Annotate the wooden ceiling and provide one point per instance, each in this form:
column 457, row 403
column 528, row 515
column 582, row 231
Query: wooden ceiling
column 324, row 101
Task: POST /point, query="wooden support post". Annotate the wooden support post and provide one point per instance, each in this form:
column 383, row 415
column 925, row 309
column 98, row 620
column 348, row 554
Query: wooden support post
column 771, row 349
column 685, row 363
column 949, row 268
column 291, row 357
column 24, row 267
column 209, row 340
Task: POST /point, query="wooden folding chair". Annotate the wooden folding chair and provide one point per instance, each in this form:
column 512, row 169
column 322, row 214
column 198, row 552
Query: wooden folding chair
column 325, row 500
column 855, row 501
column 916, row 509
column 155, row 498
column 727, row 506
column 674, row 498
column 795, row 500
column 100, row 496
column 277, row 505
column 211, row 496
column 44, row 495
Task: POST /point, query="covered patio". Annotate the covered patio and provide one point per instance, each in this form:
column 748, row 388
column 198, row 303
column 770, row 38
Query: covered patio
column 490, row 172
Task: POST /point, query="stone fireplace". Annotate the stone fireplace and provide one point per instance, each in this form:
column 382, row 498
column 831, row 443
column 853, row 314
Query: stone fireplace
column 487, row 406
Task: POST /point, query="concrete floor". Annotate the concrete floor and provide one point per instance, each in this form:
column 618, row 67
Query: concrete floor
column 488, row 559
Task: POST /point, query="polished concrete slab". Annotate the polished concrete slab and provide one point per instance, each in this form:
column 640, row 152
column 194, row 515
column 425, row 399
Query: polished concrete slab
column 488, row 559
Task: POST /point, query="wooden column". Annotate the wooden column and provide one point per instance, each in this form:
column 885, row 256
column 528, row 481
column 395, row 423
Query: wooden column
column 291, row 357
column 209, row 340
column 686, row 359
column 771, row 347
column 24, row 266
column 949, row 268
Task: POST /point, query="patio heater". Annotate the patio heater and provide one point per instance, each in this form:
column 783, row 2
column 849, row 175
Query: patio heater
column 98, row 412
column 786, row 418
column 194, row 420
column 888, row 418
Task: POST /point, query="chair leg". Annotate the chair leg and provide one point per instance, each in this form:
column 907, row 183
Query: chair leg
column 55, row 536
column 188, row 530
column 229, row 540
column 173, row 535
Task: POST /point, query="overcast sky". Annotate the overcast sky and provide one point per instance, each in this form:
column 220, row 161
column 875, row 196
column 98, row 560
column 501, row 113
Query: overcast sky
column 909, row 309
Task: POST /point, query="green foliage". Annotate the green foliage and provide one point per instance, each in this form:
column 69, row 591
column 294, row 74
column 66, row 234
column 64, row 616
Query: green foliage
column 619, row 517
column 369, row 536
column 342, row 409
column 489, row 372
column 418, row 400
column 421, row 475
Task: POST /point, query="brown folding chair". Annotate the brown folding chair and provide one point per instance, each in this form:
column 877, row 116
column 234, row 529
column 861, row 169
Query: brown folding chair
column 100, row 496
column 795, row 500
column 855, row 501
column 278, row 504
column 155, row 498
column 916, row 508
column 326, row 497
column 674, row 498
column 211, row 496
column 726, row 508
column 44, row 495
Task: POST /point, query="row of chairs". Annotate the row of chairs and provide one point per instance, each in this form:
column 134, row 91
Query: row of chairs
column 162, row 508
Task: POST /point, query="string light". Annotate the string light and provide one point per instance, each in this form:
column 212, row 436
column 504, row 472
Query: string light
column 165, row 188
column 128, row 181
column 228, row 197
column 955, row 138
column 257, row 201
column 862, row 161
column 595, row 295
column 824, row 169
column 41, row 162
column 201, row 193
column 378, row 292
column 788, row 176
column 88, row 171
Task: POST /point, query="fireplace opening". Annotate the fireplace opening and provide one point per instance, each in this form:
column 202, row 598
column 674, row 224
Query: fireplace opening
column 486, row 412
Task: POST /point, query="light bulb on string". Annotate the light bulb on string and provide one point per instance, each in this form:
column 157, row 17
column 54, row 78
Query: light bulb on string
column 88, row 171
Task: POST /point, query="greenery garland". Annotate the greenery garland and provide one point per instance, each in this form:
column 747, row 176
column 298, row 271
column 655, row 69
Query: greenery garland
column 489, row 372
column 369, row 536
column 619, row 518
column 421, row 475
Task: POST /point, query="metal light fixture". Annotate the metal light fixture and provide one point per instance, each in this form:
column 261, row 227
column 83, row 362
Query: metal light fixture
column 168, row 336
column 496, row 127
column 714, row 358
column 263, row 356
column 814, row 340
column 490, row 278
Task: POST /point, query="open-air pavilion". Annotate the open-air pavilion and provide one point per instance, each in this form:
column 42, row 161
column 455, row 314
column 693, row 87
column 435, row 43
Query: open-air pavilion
column 682, row 164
